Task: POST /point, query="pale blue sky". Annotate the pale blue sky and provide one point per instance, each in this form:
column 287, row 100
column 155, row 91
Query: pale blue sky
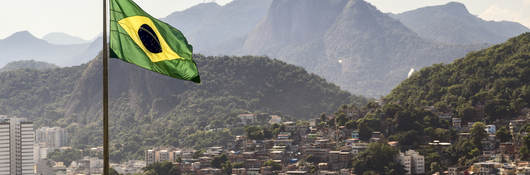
column 83, row 17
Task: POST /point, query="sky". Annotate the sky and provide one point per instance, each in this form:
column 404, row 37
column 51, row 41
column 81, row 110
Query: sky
column 82, row 18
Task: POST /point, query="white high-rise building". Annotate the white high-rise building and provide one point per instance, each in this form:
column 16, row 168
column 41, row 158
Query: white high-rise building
column 16, row 146
column 53, row 138
column 5, row 148
column 413, row 162
column 161, row 154
column 26, row 135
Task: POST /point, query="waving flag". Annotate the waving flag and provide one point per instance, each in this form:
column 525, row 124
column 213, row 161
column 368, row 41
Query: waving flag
column 138, row 38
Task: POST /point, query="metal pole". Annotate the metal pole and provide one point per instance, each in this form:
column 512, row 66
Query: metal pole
column 105, row 94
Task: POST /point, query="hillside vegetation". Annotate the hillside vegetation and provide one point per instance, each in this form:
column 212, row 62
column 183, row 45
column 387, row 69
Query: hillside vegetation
column 150, row 109
column 493, row 82
column 490, row 86
column 27, row 64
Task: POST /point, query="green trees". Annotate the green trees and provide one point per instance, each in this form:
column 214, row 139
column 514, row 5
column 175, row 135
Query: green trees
column 341, row 119
column 379, row 158
column 525, row 149
column 227, row 167
column 223, row 163
column 254, row 133
column 261, row 133
column 478, row 134
column 367, row 125
column 275, row 166
column 462, row 152
column 365, row 132
column 163, row 168
column 113, row 172
column 503, row 134
column 408, row 139
column 218, row 161
column 150, row 109
column 66, row 156
column 497, row 108
column 435, row 167
column 492, row 81
column 467, row 112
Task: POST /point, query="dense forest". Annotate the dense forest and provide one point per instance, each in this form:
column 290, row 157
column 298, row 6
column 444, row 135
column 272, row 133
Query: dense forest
column 490, row 86
column 149, row 109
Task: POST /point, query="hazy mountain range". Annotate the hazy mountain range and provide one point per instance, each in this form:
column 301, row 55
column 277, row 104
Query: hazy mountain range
column 452, row 23
column 348, row 42
column 25, row 46
column 63, row 39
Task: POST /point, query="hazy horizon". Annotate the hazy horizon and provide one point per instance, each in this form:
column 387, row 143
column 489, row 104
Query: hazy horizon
column 87, row 26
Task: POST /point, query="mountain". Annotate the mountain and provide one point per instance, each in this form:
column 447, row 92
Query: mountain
column 491, row 83
column 23, row 46
column 27, row 64
column 214, row 29
column 141, row 101
column 63, row 39
column 354, row 45
column 452, row 23
column 89, row 53
column 486, row 87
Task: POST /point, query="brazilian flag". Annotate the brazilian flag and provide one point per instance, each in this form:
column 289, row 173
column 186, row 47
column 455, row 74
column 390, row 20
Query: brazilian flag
column 138, row 38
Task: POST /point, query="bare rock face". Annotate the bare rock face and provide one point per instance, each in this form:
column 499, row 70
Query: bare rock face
column 214, row 29
column 376, row 51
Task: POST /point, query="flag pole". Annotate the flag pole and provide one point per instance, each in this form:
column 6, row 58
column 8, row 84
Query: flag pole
column 105, row 94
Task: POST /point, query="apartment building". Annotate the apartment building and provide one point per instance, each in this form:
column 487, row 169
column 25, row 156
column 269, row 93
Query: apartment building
column 5, row 148
column 16, row 146
column 53, row 138
column 413, row 162
column 161, row 155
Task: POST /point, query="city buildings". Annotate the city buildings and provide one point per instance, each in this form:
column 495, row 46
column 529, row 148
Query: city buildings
column 16, row 146
column 413, row 162
column 87, row 165
column 48, row 139
column 161, row 154
column 53, row 138
column 305, row 149
column 5, row 145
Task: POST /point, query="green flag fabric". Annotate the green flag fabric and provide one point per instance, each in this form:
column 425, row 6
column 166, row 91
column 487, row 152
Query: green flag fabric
column 138, row 38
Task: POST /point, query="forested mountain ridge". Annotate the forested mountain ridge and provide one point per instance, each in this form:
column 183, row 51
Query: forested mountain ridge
column 266, row 81
column 27, row 64
column 486, row 87
column 161, row 110
column 494, row 80
column 348, row 42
